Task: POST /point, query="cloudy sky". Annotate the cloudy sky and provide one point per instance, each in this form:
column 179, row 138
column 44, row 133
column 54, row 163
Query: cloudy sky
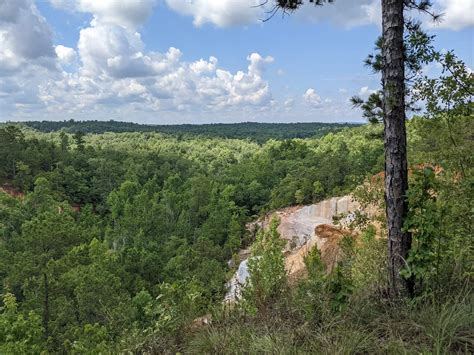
column 195, row 61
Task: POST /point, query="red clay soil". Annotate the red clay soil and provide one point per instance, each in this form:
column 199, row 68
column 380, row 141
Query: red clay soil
column 12, row 191
column 76, row 208
column 436, row 168
column 330, row 237
column 16, row 193
column 330, row 249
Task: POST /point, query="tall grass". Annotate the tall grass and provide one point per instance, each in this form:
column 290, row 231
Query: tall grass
column 366, row 326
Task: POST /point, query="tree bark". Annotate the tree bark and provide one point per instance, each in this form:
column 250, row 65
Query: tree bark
column 396, row 175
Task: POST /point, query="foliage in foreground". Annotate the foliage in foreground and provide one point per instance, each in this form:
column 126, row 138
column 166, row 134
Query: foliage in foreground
column 366, row 327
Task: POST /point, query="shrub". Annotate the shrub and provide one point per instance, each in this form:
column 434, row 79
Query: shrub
column 268, row 278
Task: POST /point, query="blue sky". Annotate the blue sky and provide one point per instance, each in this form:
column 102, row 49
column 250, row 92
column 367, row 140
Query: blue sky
column 196, row 61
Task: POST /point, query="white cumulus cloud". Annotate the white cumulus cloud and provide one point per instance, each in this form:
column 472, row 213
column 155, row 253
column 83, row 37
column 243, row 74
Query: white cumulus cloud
column 118, row 53
column 203, row 66
column 65, row 55
column 126, row 13
column 178, row 86
column 27, row 56
column 113, row 72
column 457, row 14
column 345, row 13
column 25, row 37
column 221, row 13
column 365, row 92
column 312, row 98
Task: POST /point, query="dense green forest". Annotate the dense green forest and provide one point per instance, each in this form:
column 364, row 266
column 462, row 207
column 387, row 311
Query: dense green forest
column 119, row 240
column 117, row 237
column 259, row 132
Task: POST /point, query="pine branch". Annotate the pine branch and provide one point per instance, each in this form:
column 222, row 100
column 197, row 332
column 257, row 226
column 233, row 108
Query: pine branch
column 288, row 6
column 423, row 6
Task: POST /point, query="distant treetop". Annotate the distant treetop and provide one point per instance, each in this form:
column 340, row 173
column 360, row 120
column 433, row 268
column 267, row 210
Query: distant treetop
column 259, row 132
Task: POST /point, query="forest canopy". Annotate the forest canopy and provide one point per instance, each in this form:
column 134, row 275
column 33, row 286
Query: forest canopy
column 259, row 132
column 115, row 239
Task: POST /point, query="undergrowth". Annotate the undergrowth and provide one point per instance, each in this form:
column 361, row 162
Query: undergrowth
column 366, row 326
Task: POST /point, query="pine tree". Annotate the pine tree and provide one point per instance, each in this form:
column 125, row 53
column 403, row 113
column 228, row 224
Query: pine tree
column 396, row 170
column 392, row 104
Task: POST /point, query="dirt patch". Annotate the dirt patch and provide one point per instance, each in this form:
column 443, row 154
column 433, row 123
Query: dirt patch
column 437, row 169
column 327, row 240
column 330, row 248
column 12, row 191
column 199, row 323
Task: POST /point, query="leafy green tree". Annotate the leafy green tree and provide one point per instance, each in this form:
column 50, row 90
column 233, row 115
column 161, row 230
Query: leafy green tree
column 44, row 239
column 19, row 333
column 439, row 222
column 235, row 234
column 266, row 265
column 93, row 278
column 64, row 145
column 12, row 142
column 79, row 140
column 311, row 297
column 423, row 222
column 318, row 190
column 448, row 96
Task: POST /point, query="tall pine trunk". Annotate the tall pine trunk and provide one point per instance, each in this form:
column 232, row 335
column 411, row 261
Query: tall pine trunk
column 396, row 176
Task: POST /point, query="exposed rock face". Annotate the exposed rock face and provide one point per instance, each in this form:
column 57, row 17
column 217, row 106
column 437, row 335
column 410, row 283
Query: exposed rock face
column 299, row 227
column 235, row 284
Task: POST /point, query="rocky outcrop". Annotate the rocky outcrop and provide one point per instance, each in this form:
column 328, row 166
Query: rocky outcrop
column 238, row 280
column 303, row 228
